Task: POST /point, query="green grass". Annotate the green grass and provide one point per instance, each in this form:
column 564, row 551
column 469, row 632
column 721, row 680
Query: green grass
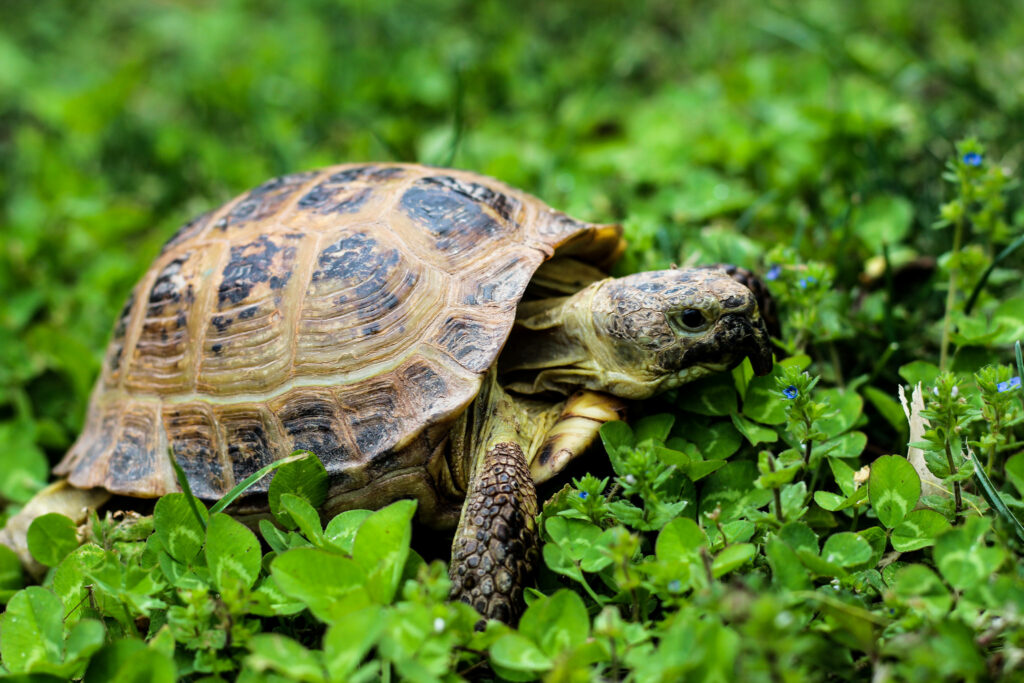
column 735, row 534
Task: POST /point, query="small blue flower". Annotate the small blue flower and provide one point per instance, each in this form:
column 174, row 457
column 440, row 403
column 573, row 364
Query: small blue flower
column 583, row 495
column 773, row 273
column 972, row 159
column 790, row 392
column 810, row 279
column 1009, row 385
column 675, row 585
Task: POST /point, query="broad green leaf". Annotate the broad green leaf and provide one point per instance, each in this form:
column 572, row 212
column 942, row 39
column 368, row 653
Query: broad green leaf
column 518, row 653
column 846, row 549
column 883, row 219
column 964, row 558
column 130, row 661
column 616, row 435
column 1015, row 472
column 654, row 427
column 919, row 371
column 848, row 445
column 787, row 570
column 716, row 441
column 732, row 557
column 754, row 433
column 31, row 631
column 305, row 478
column 680, row 538
column 918, row 530
column 51, row 537
column 894, row 489
column 798, row 535
column 232, row 550
column 276, row 652
column 330, row 585
column 762, row 402
column 713, row 395
column 341, row 531
column 11, row 578
column 833, row 502
column 305, row 516
column 348, row 640
column 848, row 406
column 176, row 525
column 382, row 546
column 556, row 623
column 923, row 590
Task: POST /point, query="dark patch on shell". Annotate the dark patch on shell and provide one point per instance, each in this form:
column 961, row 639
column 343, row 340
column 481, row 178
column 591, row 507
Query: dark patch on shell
column 249, row 265
column 167, row 286
column 247, row 313
column 356, row 258
column 190, row 431
column 328, row 197
column 221, row 322
column 266, row 199
column 469, row 342
column 372, row 173
column 455, row 217
column 312, row 423
column 504, row 205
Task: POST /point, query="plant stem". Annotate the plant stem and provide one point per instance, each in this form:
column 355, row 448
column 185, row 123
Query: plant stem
column 776, row 493
column 958, row 236
column 956, row 484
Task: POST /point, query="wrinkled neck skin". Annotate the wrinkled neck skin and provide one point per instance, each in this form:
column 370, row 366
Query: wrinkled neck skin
column 560, row 350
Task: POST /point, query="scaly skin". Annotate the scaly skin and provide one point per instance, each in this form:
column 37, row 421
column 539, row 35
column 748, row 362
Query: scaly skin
column 495, row 547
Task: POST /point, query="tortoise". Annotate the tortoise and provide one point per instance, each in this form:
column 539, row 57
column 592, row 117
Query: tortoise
column 428, row 333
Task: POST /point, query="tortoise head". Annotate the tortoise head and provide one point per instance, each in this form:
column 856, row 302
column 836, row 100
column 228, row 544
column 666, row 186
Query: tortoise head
column 657, row 330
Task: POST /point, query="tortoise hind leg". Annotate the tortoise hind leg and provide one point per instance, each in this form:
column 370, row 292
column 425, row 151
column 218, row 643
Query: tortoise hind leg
column 495, row 547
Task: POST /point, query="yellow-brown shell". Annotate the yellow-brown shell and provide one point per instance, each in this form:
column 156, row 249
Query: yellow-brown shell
column 351, row 311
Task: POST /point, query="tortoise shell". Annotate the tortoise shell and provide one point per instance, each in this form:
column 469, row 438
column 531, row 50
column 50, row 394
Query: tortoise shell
column 351, row 311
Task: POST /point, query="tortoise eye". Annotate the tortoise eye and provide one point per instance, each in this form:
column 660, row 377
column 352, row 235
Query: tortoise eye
column 693, row 319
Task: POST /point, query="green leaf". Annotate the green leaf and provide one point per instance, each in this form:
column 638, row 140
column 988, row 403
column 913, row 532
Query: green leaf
column 963, row 557
column 713, row 395
column 787, row 570
column 653, row 427
column 130, row 661
column 848, row 445
column 275, row 652
column 302, row 513
column 556, row 623
column 716, row 441
column 894, row 489
column 341, row 531
column 178, row 528
column 304, row 477
column 680, row 538
column 518, row 653
column 348, row 640
column 883, row 219
column 193, row 503
column 847, row 407
column 232, row 550
column 31, row 631
column 732, row 557
column 331, row 586
column 51, row 537
column 11, row 578
column 846, row 549
column 754, row 432
column 382, row 546
column 762, row 402
column 918, row 530
column 1015, row 472
column 995, row 499
column 919, row 371
column 798, row 535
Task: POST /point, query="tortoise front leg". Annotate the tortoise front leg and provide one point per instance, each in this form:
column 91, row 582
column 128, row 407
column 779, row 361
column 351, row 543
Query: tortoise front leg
column 495, row 547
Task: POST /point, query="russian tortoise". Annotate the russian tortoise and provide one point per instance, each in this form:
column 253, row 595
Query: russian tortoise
column 361, row 312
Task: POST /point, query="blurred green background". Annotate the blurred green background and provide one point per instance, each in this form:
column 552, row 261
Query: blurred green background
column 713, row 130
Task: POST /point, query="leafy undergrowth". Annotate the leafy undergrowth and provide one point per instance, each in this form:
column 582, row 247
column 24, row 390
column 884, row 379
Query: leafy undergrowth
column 776, row 528
column 725, row 545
